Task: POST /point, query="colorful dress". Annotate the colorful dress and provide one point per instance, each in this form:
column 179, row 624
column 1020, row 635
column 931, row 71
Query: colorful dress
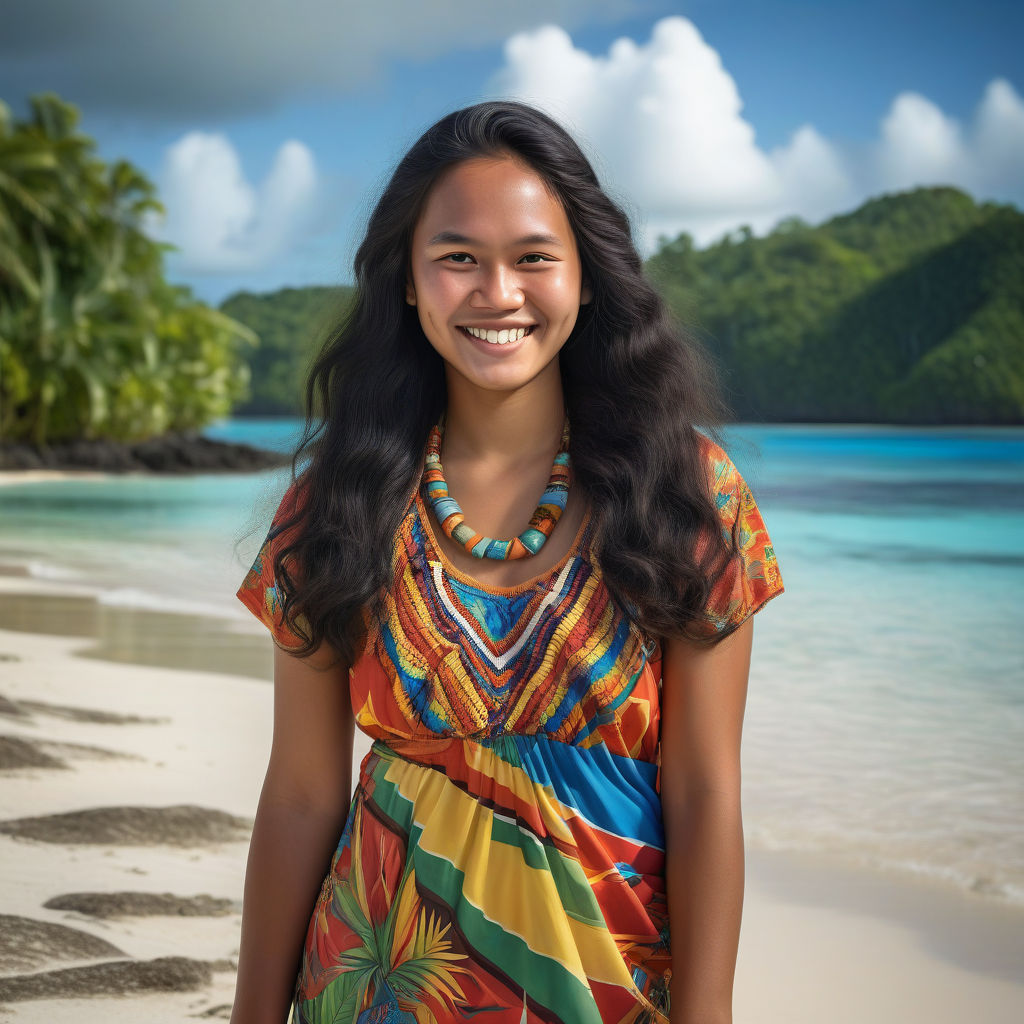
column 503, row 857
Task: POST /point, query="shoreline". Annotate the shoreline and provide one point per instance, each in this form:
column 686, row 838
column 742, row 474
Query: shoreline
column 170, row 454
column 13, row 477
column 188, row 639
column 820, row 940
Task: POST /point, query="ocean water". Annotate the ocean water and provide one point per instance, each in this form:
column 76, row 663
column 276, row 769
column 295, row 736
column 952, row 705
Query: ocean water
column 885, row 717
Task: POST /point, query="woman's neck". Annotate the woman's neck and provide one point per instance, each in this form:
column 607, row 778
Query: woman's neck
column 504, row 426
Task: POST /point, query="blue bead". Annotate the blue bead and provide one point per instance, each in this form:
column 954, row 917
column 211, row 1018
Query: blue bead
column 445, row 507
column 498, row 550
column 533, row 540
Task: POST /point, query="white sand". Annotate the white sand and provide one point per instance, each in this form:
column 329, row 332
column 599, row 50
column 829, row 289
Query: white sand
column 10, row 477
column 820, row 944
column 211, row 751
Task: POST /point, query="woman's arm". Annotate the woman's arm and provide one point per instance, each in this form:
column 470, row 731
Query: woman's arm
column 704, row 692
column 301, row 814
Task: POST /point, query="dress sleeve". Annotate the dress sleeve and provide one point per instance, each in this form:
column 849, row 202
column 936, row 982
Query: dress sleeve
column 259, row 590
column 752, row 577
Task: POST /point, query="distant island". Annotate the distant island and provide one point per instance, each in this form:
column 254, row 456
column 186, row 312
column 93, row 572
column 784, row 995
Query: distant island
column 908, row 310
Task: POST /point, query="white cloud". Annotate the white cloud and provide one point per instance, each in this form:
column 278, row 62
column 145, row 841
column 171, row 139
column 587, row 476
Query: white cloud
column 218, row 220
column 663, row 121
column 999, row 135
column 815, row 178
column 919, row 144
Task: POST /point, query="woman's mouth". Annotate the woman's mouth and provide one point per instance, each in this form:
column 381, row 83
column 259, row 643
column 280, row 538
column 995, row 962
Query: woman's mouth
column 504, row 337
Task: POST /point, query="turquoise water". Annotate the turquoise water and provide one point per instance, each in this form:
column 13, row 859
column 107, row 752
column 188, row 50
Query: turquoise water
column 885, row 718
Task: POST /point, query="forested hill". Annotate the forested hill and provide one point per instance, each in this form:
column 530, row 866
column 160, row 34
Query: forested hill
column 908, row 310
column 291, row 324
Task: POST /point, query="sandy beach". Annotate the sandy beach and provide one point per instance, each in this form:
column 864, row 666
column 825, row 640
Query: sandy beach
column 10, row 478
column 132, row 750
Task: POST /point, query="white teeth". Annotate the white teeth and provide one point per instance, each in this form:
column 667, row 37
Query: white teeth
column 498, row 337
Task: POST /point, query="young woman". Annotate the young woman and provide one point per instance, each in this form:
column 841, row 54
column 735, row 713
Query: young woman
column 511, row 559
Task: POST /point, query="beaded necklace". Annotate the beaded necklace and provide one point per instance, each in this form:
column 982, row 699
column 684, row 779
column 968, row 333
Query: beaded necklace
column 452, row 520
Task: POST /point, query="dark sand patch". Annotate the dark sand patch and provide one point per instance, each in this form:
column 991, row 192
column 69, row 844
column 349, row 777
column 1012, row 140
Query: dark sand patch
column 93, row 715
column 26, row 943
column 221, row 1012
column 11, row 708
column 16, row 752
column 140, row 904
column 141, row 636
column 180, row 825
column 122, row 977
column 87, row 752
column 7, row 656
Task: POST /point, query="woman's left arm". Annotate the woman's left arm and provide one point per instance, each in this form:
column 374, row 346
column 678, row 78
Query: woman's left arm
column 704, row 691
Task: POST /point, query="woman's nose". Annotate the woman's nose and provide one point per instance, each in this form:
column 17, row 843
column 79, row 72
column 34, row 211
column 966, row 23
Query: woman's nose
column 498, row 289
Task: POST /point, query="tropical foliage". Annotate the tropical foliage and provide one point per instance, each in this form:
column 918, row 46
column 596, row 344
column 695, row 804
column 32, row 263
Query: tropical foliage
column 402, row 969
column 94, row 342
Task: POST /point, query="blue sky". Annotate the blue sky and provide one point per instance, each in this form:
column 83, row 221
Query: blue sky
column 268, row 125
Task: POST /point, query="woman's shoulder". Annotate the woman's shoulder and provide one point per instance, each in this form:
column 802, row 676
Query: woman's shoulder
column 752, row 577
column 727, row 486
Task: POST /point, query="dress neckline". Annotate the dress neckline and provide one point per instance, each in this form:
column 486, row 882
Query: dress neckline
column 449, row 569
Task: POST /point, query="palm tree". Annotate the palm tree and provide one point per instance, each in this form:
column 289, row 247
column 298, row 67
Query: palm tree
column 93, row 341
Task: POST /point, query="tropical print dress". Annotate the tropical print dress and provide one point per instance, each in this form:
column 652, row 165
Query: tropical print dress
column 503, row 856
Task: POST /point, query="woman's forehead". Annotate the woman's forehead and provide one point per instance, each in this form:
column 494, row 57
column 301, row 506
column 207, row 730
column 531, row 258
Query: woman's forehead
column 487, row 199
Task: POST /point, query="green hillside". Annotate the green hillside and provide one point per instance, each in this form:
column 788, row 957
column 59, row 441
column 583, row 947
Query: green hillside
column 291, row 325
column 908, row 310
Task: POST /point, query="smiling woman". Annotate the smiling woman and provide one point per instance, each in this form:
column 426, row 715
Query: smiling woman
column 547, row 825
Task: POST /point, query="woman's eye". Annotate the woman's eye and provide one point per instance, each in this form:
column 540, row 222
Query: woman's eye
column 533, row 257
column 459, row 257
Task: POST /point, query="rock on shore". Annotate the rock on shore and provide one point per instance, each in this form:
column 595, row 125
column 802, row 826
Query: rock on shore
column 173, row 453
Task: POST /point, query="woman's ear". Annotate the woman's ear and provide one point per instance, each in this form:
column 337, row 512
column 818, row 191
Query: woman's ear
column 586, row 293
column 410, row 292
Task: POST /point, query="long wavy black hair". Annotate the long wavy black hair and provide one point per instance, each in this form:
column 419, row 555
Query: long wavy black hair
column 635, row 387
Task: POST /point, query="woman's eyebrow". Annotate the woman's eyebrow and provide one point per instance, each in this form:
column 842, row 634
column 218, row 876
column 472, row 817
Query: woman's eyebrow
column 454, row 238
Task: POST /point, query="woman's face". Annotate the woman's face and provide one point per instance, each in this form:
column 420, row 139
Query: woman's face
column 495, row 274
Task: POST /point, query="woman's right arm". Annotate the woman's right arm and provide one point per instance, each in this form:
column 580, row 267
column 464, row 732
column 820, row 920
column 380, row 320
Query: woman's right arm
column 301, row 814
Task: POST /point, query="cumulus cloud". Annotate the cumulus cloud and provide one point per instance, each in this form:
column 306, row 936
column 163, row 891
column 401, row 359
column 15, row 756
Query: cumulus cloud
column 192, row 59
column 920, row 145
column 222, row 223
column 663, row 121
column 998, row 143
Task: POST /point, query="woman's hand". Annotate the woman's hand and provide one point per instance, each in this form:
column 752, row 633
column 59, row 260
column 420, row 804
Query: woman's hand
column 703, row 698
column 302, row 811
